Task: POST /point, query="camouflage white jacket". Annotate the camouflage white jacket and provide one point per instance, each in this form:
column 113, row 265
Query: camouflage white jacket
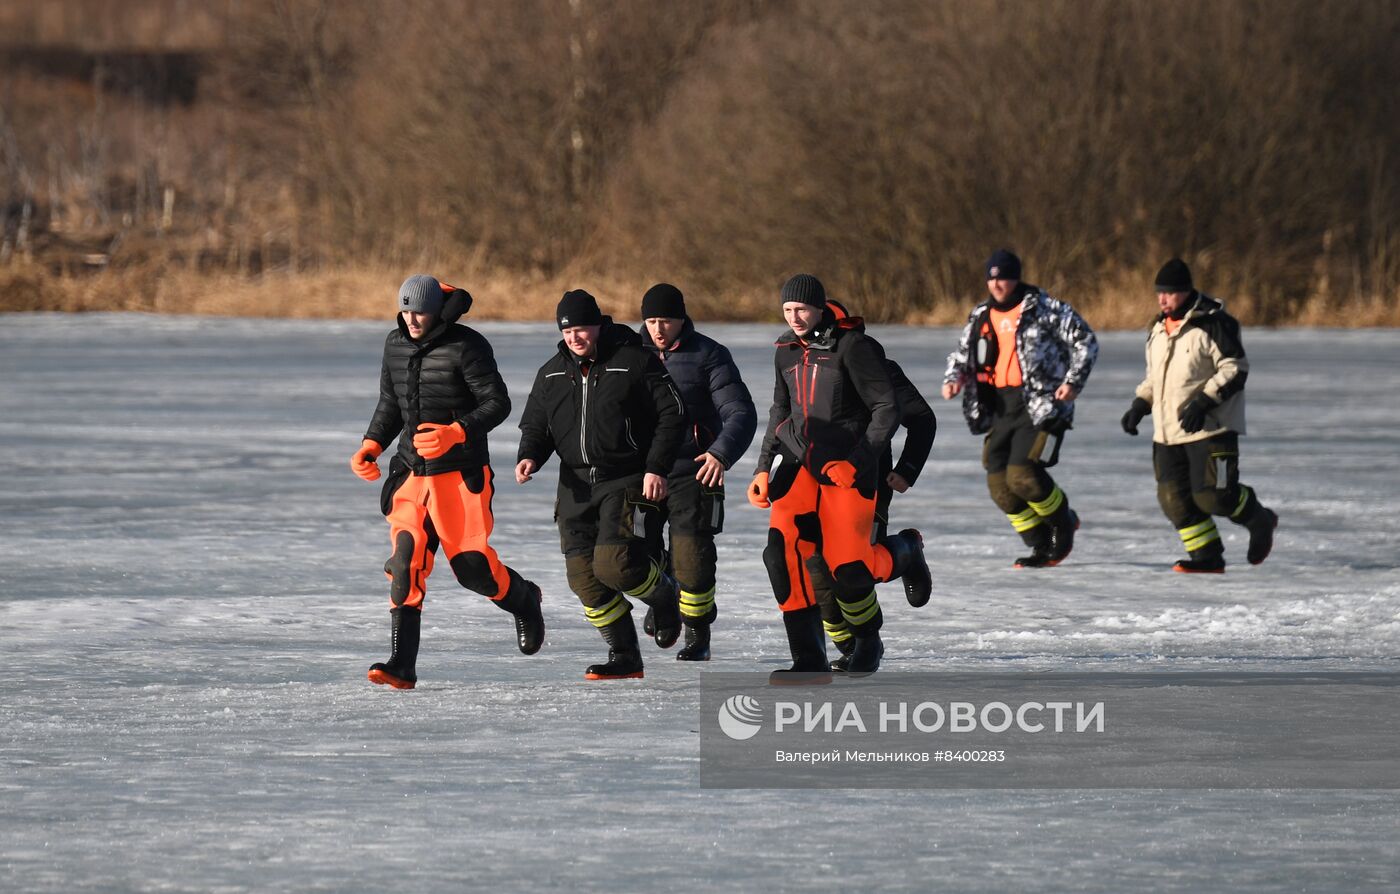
column 1053, row 344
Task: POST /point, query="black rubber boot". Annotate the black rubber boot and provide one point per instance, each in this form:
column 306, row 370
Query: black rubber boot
column 807, row 642
column 1040, row 540
column 842, row 662
column 404, row 627
column 865, row 656
column 523, row 600
column 1063, row 524
column 697, row 641
column 907, row 550
column 1261, row 534
column 649, row 622
column 1210, row 560
column 624, row 653
column 664, row 608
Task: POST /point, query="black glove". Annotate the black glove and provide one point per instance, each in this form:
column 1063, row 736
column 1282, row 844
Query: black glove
column 1054, row 425
column 1193, row 414
column 1139, row 409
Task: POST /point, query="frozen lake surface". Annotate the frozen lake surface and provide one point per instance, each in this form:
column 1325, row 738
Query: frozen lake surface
column 191, row 592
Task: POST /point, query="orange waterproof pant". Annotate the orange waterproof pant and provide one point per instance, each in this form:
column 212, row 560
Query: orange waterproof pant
column 809, row 518
column 451, row 509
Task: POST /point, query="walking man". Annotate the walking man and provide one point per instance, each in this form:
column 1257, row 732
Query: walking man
column 1194, row 391
column 1022, row 360
column 608, row 408
column 438, row 383
column 721, row 421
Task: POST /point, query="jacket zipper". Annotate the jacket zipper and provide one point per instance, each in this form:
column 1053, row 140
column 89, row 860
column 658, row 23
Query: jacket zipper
column 583, row 428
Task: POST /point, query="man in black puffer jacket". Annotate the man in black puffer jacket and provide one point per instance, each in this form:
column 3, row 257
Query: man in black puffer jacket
column 608, row 408
column 721, row 421
column 439, row 381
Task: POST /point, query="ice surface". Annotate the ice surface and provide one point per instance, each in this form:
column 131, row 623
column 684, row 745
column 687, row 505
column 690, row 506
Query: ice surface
column 190, row 593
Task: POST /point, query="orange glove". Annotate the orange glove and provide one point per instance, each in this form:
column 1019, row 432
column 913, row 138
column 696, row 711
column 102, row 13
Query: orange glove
column 758, row 491
column 841, row 473
column 434, row 440
column 363, row 462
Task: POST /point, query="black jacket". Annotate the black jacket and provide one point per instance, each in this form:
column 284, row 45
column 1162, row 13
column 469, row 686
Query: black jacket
column 920, row 428
column 720, row 415
column 832, row 400
column 621, row 418
column 450, row 376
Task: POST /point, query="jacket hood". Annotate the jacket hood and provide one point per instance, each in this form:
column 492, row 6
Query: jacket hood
column 455, row 305
column 1203, row 306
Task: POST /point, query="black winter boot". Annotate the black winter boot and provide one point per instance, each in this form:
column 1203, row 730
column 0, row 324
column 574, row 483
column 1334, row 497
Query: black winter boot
column 697, row 642
column 523, row 600
column 624, row 654
column 404, row 627
column 664, row 608
column 1041, row 542
column 1261, row 534
column 907, row 550
column 807, row 642
column 1210, row 560
column 1063, row 524
column 865, row 655
column 841, row 663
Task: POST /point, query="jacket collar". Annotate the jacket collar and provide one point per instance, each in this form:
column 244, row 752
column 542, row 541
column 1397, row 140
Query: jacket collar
column 823, row 336
column 687, row 330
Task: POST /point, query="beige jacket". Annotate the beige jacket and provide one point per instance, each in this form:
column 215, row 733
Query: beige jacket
column 1205, row 355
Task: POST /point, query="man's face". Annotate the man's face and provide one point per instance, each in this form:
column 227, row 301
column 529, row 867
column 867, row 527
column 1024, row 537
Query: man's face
column 1171, row 302
column 581, row 340
column 1000, row 288
column 664, row 330
column 418, row 324
column 803, row 318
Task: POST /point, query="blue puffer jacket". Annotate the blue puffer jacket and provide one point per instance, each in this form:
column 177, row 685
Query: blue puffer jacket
column 1054, row 345
column 720, row 415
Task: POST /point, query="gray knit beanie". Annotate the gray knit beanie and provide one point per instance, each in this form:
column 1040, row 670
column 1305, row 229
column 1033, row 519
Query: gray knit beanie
column 422, row 294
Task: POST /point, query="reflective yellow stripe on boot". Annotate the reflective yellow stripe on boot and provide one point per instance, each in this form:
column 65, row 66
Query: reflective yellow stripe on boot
column 605, row 615
column 1024, row 521
column 1197, row 536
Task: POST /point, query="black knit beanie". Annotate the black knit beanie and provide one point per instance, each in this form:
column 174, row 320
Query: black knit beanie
column 1174, row 276
column 663, row 300
column 578, row 308
column 805, row 288
column 1003, row 265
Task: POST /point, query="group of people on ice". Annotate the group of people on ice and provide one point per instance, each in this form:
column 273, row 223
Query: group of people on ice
column 646, row 423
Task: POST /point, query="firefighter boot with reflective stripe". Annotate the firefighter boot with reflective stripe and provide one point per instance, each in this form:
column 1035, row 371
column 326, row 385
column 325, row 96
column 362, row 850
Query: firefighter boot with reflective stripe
column 807, row 643
column 523, row 600
column 1202, row 542
column 662, row 594
column 1208, row 560
column 624, row 654
column 907, row 554
column 404, row 627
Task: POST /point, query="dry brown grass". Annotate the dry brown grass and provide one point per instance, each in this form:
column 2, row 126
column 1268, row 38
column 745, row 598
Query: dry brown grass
column 522, row 147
